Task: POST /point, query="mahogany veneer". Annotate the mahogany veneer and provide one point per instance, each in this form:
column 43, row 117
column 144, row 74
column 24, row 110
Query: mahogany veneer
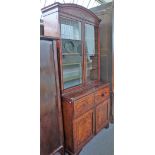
column 85, row 115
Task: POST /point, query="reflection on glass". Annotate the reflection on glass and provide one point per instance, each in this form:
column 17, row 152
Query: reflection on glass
column 71, row 52
column 91, row 53
column 70, row 29
column 92, row 68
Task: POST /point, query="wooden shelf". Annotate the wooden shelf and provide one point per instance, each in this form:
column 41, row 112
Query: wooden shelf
column 72, row 53
column 69, row 64
column 71, row 78
column 72, row 72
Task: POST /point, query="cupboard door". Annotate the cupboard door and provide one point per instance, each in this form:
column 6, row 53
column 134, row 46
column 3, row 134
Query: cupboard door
column 102, row 114
column 50, row 129
column 83, row 129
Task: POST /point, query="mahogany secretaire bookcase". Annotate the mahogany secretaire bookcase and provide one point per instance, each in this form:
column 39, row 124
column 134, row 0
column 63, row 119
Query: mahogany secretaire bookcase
column 85, row 100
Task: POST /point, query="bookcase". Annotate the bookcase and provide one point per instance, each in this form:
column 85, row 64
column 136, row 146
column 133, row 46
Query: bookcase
column 85, row 100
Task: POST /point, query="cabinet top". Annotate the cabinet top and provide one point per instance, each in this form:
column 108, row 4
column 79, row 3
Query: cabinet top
column 71, row 9
column 84, row 91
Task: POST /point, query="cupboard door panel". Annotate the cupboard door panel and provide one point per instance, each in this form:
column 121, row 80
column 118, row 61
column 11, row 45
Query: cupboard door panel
column 102, row 115
column 83, row 129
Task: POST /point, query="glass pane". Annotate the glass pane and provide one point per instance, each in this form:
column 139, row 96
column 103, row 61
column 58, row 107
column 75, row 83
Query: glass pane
column 91, row 52
column 70, row 29
column 90, row 39
column 71, row 52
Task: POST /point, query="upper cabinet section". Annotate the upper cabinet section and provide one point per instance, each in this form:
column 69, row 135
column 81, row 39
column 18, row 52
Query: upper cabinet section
column 78, row 47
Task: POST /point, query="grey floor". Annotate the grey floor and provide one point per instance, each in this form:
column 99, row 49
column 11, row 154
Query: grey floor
column 101, row 144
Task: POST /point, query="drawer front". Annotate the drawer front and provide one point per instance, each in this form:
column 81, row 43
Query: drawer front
column 101, row 94
column 83, row 104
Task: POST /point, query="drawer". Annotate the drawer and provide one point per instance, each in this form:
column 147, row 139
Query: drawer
column 101, row 94
column 83, row 104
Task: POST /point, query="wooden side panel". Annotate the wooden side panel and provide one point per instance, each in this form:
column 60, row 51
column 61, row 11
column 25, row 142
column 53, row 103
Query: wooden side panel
column 51, row 25
column 50, row 138
column 68, row 124
column 83, row 129
column 102, row 115
column 109, row 108
column 105, row 14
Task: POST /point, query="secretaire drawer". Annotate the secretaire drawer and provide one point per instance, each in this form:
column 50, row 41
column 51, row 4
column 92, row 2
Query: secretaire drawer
column 83, row 104
column 102, row 94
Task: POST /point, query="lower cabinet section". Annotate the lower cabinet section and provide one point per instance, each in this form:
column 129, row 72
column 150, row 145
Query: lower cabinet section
column 83, row 129
column 84, row 115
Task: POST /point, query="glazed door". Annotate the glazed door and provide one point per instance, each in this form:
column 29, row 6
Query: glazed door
column 50, row 114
